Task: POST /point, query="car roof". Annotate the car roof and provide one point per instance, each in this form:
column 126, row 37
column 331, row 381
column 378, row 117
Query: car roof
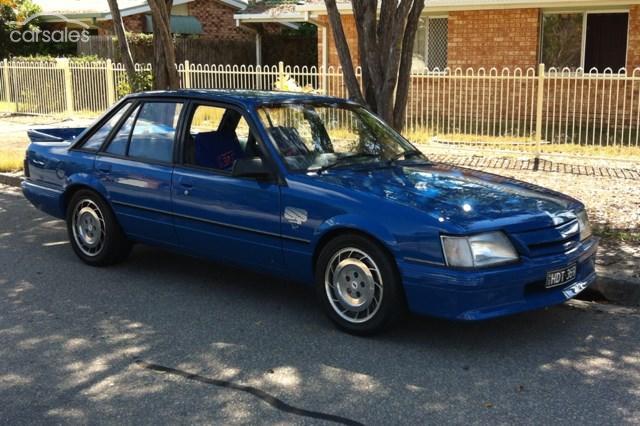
column 253, row 97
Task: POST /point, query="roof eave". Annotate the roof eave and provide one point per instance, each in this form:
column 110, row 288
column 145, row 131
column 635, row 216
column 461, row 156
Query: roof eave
column 285, row 17
column 432, row 6
column 144, row 8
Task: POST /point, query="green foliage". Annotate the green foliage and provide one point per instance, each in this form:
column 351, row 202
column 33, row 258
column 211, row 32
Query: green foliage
column 138, row 39
column 143, row 81
column 304, row 30
column 49, row 58
column 562, row 40
column 14, row 11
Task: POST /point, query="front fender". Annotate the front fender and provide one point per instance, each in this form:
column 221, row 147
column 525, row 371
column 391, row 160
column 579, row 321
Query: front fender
column 357, row 223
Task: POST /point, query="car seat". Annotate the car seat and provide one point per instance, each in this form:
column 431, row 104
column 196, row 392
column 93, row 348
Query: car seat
column 217, row 150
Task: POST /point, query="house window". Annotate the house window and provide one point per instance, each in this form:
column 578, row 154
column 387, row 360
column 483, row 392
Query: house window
column 585, row 40
column 430, row 48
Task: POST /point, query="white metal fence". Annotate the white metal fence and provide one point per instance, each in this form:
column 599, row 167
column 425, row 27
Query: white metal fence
column 519, row 108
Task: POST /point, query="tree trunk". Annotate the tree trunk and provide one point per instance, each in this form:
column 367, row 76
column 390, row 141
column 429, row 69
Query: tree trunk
column 123, row 44
column 404, row 76
column 385, row 46
column 165, row 76
column 353, row 87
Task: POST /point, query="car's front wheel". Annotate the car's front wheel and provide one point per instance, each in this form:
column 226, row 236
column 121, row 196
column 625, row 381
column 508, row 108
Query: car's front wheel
column 358, row 285
column 94, row 233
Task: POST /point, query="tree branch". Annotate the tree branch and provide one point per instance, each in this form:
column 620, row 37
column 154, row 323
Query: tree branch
column 123, row 43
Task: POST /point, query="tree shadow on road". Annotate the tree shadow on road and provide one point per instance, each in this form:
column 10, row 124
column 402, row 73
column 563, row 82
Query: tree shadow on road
column 70, row 336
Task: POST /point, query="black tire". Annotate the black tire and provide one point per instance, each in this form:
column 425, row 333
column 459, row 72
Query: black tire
column 111, row 244
column 378, row 316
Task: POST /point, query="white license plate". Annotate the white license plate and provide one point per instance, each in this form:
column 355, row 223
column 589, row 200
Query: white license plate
column 561, row 276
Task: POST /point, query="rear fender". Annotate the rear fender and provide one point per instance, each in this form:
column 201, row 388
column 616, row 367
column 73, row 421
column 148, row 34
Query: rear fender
column 79, row 181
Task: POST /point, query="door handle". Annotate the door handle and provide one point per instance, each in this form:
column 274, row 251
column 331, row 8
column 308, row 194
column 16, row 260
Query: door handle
column 186, row 183
column 104, row 168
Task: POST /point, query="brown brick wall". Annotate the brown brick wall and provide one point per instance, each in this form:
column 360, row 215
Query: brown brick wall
column 349, row 26
column 217, row 21
column 132, row 23
column 486, row 38
column 633, row 54
column 494, row 38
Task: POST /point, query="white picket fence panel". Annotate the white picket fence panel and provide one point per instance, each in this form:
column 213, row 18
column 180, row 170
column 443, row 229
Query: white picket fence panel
column 480, row 106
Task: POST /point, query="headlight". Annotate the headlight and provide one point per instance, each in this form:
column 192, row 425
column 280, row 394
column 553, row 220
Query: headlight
column 585, row 226
column 492, row 248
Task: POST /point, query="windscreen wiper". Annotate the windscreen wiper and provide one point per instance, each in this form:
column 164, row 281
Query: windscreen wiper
column 405, row 154
column 348, row 159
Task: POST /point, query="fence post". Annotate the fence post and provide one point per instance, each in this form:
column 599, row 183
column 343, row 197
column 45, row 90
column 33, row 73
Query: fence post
column 111, row 91
column 539, row 110
column 187, row 75
column 7, row 80
column 68, row 84
column 281, row 72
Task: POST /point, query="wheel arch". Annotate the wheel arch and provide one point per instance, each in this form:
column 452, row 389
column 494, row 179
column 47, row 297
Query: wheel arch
column 334, row 232
column 72, row 189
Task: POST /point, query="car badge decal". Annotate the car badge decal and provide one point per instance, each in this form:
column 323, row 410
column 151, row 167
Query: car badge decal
column 295, row 216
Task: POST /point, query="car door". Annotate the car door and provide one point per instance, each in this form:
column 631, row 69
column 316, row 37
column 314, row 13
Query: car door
column 217, row 215
column 136, row 167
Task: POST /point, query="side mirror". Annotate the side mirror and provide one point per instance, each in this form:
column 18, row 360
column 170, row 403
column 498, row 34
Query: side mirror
column 250, row 167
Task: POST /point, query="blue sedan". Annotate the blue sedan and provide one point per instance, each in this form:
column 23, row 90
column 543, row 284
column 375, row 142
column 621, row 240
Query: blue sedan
column 312, row 189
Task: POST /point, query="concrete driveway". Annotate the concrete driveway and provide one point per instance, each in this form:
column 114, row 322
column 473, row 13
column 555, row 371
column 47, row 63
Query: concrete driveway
column 165, row 338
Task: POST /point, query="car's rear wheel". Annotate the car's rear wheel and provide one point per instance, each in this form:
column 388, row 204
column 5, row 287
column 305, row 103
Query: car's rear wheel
column 95, row 235
column 358, row 285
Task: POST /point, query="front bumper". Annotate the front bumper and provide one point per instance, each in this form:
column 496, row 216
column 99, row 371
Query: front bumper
column 482, row 294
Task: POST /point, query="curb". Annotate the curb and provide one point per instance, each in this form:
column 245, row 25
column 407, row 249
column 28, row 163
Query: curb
column 602, row 307
column 619, row 290
column 11, row 179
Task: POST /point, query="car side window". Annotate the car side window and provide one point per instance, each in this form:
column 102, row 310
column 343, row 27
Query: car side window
column 118, row 145
column 154, row 131
column 217, row 137
column 96, row 140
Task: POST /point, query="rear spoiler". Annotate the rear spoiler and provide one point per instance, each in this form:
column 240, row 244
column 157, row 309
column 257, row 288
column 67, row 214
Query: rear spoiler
column 54, row 134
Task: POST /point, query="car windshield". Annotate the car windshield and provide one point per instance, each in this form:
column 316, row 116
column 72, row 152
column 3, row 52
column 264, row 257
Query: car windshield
column 313, row 137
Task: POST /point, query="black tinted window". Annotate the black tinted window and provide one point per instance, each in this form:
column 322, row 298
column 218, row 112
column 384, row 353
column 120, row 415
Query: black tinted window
column 95, row 141
column 154, row 131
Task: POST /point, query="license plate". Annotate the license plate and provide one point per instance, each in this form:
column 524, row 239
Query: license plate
column 561, row 276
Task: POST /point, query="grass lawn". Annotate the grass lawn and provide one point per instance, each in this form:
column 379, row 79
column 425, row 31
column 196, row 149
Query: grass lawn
column 11, row 160
column 12, row 149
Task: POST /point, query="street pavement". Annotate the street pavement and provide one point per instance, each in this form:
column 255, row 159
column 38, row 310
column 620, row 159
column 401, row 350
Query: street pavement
column 164, row 338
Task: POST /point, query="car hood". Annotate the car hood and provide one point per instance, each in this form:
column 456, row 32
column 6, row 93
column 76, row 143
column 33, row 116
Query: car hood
column 469, row 199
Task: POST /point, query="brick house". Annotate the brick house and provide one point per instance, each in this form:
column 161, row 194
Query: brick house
column 589, row 34
column 212, row 18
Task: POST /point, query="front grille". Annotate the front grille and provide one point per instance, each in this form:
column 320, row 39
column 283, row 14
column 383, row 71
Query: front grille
column 549, row 241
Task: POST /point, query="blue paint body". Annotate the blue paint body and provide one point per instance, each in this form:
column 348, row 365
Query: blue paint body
column 406, row 207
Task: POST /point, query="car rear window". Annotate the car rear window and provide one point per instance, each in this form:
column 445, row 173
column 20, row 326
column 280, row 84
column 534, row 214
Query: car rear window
column 96, row 140
column 154, row 131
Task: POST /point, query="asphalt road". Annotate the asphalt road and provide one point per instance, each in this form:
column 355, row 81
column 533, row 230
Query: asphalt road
column 165, row 338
